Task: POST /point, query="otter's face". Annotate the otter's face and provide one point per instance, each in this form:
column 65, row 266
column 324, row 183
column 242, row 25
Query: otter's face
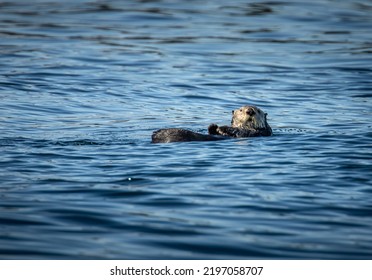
column 249, row 117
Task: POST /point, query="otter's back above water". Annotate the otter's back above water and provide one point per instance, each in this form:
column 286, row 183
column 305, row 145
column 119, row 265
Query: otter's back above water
column 168, row 135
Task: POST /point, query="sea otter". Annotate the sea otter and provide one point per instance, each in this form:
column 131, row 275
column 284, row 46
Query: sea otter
column 247, row 121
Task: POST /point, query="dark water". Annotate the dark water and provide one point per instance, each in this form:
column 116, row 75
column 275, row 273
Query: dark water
column 84, row 83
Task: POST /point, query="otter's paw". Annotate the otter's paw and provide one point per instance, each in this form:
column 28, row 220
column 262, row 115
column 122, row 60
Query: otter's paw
column 223, row 130
column 212, row 129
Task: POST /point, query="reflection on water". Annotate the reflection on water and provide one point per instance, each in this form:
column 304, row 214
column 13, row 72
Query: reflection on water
column 84, row 83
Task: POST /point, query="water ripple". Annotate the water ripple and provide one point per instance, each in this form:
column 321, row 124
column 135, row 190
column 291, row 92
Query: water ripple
column 84, row 84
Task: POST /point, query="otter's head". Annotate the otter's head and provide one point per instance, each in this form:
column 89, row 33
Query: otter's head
column 249, row 117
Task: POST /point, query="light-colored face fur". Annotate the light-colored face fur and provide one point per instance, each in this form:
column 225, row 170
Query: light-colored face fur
column 249, row 117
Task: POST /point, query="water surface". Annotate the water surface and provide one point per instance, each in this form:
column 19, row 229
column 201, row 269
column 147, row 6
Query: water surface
column 84, row 83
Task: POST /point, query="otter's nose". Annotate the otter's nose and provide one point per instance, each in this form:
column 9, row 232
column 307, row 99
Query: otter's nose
column 250, row 112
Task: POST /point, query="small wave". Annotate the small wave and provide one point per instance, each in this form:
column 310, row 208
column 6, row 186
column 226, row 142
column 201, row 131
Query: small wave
column 82, row 142
column 43, row 143
column 279, row 131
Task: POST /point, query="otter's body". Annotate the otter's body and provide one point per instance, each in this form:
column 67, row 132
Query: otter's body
column 180, row 135
column 247, row 121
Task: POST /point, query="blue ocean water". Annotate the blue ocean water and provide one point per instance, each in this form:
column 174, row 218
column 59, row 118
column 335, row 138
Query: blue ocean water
column 84, row 83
